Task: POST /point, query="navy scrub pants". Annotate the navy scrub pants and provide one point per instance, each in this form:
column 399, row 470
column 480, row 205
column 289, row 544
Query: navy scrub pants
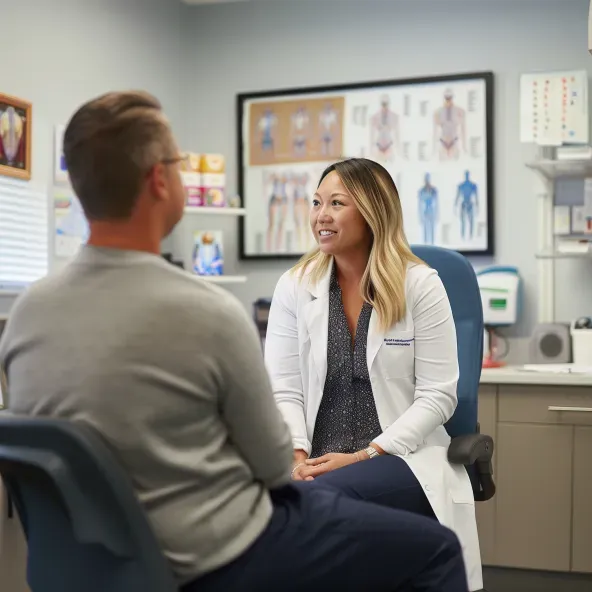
column 357, row 529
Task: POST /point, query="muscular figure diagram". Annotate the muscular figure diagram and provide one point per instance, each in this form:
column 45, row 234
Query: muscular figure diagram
column 428, row 210
column 301, row 210
column 449, row 129
column 299, row 131
column 384, row 132
column 467, row 197
column 278, row 208
column 329, row 128
column 266, row 126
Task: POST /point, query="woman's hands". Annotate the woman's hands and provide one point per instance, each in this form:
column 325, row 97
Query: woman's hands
column 300, row 457
column 306, row 469
column 329, row 462
column 310, row 468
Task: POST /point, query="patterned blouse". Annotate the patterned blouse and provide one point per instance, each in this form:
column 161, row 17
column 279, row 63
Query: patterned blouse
column 347, row 420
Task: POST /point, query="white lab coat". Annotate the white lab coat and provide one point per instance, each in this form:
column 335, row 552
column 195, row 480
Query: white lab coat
column 413, row 369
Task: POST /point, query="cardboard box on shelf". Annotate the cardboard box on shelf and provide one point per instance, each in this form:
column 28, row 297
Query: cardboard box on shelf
column 213, row 180
column 191, row 178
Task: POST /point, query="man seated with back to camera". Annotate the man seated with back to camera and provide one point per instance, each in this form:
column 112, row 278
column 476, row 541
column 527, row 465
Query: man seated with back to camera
column 168, row 369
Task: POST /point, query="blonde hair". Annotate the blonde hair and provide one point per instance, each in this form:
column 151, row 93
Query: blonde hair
column 110, row 144
column 375, row 194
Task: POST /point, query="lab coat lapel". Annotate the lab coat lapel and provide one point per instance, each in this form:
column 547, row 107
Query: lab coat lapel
column 317, row 323
column 374, row 341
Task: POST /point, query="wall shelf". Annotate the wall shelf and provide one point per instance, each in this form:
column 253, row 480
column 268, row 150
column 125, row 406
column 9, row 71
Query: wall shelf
column 575, row 236
column 547, row 249
column 208, row 211
column 554, row 169
column 559, row 255
column 224, row 279
column 218, row 211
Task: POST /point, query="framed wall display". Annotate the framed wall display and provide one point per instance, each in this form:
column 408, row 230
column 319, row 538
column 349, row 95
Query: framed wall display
column 15, row 137
column 434, row 135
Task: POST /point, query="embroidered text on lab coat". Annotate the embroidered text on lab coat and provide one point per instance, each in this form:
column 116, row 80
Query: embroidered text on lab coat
column 399, row 342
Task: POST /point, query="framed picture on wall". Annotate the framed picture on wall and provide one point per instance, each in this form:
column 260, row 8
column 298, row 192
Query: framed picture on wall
column 15, row 137
column 434, row 135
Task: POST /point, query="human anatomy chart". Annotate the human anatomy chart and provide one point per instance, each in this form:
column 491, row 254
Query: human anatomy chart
column 432, row 135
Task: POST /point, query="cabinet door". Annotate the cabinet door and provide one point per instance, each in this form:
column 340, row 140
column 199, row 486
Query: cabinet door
column 13, row 550
column 582, row 500
column 534, row 496
column 485, row 511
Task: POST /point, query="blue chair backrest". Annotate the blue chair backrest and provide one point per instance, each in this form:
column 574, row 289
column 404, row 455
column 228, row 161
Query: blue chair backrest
column 461, row 285
column 85, row 528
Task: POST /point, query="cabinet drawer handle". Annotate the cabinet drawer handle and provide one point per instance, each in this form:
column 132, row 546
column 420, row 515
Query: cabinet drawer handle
column 576, row 409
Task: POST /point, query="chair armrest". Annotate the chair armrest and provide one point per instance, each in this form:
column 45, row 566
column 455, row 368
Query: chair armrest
column 470, row 448
column 475, row 451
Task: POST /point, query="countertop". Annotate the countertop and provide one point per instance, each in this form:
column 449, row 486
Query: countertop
column 517, row 375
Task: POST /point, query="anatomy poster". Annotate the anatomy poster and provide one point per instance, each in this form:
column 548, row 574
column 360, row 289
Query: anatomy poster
column 433, row 135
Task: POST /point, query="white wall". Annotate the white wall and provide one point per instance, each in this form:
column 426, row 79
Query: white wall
column 59, row 53
column 196, row 60
column 270, row 44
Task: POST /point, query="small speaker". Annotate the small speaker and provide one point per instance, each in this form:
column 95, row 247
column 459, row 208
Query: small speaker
column 550, row 344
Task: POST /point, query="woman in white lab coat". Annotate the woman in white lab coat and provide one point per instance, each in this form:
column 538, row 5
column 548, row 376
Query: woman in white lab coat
column 361, row 350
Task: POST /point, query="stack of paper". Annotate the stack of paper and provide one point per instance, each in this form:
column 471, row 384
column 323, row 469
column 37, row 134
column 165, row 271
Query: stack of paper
column 557, row 368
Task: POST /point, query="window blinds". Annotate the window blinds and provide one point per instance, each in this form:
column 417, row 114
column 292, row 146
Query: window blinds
column 23, row 235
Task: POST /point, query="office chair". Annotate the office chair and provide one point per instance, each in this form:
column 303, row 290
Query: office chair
column 261, row 308
column 85, row 529
column 468, row 446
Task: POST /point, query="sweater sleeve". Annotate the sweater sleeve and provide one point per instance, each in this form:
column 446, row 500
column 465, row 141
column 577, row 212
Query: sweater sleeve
column 252, row 418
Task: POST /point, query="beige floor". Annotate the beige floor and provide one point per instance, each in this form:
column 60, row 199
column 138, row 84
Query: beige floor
column 518, row 580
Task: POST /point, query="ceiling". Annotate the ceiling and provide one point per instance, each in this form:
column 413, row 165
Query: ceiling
column 198, row 2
